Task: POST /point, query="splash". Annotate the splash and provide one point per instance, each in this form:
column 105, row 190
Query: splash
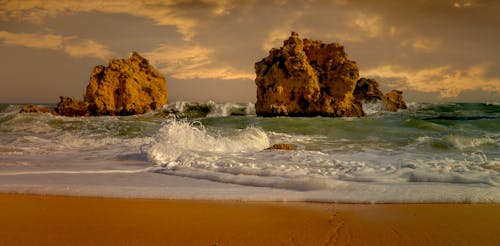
column 178, row 138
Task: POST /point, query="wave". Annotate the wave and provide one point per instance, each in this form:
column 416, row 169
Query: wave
column 209, row 109
column 188, row 149
column 180, row 142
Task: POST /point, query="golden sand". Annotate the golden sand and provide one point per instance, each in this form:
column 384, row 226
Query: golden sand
column 56, row 220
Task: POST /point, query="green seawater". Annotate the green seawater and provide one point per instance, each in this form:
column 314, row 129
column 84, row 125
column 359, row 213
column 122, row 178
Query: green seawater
column 448, row 144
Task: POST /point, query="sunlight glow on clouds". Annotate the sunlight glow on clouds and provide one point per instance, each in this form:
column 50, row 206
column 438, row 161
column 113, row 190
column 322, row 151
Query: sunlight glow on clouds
column 162, row 12
column 275, row 39
column 422, row 44
column 462, row 4
column 442, row 47
column 370, row 26
column 192, row 62
column 71, row 45
column 445, row 80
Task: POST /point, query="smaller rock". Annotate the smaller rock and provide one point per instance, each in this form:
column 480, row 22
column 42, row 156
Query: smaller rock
column 283, row 147
column 36, row 109
column 72, row 107
column 393, row 101
column 367, row 90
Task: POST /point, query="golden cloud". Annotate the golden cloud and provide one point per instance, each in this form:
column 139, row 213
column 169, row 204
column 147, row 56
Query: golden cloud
column 445, row 80
column 361, row 26
column 162, row 12
column 369, row 25
column 463, row 4
column 423, row 44
column 71, row 45
column 275, row 38
column 192, row 62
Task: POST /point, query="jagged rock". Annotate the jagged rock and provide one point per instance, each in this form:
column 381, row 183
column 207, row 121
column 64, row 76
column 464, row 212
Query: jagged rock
column 367, row 90
column 307, row 78
column 36, row 109
column 393, row 101
column 125, row 87
column 72, row 107
column 282, row 146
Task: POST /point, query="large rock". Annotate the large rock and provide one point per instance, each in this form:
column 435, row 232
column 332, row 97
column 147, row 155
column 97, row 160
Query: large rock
column 125, row 87
column 306, row 78
column 368, row 91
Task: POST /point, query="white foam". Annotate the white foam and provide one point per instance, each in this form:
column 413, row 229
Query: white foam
column 178, row 138
column 100, row 156
column 465, row 142
column 215, row 109
column 373, row 108
column 190, row 150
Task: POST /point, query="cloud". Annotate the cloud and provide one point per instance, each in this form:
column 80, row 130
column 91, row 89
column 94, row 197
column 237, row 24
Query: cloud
column 445, row 80
column 71, row 45
column 421, row 43
column 161, row 12
column 358, row 27
column 369, row 25
column 275, row 38
column 192, row 62
column 463, row 4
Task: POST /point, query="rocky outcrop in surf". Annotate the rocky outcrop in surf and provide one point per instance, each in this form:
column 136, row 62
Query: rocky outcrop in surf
column 282, row 146
column 36, row 109
column 72, row 107
column 125, row 87
column 307, row 78
column 393, row 101
column 368, row 91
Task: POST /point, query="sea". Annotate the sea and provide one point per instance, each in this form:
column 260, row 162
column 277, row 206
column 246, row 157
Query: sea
column 428, row 153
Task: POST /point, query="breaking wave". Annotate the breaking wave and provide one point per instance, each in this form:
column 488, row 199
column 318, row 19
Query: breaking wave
column 209, row 109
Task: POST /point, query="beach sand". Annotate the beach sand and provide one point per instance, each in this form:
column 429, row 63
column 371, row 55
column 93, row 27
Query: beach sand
column 58, row 220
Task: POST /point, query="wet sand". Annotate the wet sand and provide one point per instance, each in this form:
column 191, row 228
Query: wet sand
column 58, row 220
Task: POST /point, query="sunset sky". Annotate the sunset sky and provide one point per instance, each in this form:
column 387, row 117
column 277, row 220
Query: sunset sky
column 433, row 50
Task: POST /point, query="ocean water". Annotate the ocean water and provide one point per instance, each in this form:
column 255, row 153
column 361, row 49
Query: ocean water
column 428, row 153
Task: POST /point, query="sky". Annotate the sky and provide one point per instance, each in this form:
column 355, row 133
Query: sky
column 433, row 50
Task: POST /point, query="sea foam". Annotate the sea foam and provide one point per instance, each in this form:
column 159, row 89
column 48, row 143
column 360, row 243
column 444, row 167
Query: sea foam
column 177, row 138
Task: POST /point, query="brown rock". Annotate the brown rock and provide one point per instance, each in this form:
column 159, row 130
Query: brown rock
column 36, row 109
column 125, row 87
column 367, row 90
column 72, row 107
column 393, row 101
column 282, row 146
column 306, row 78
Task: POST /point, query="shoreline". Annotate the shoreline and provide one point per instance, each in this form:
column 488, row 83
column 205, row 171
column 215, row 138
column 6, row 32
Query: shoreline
column 63, row 220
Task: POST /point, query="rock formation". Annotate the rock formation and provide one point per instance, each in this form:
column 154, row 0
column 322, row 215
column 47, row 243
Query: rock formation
column 307, row 78
column 394, row 101
column 124, row 87
column 72, row 107
column 368, row 91
column 282, row 146
column 36, row 109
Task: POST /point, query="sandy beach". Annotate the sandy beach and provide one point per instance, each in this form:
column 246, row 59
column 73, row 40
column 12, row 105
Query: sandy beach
column 58, row 220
